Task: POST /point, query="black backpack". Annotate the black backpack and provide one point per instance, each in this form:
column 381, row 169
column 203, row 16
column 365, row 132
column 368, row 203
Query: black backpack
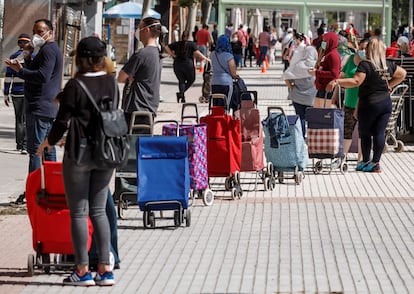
column 111, row 145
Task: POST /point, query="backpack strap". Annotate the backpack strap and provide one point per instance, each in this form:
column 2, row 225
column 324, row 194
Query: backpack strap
column 88, row 93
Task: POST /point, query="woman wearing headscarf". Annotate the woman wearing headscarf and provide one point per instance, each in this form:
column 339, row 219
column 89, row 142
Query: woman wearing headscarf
column 183, row 53
column 224, row 69
column 300, row 83
column 375, row 77
column 327, row 70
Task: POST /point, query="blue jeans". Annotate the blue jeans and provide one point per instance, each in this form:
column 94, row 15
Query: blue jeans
column 300, row 110
column 37, row 128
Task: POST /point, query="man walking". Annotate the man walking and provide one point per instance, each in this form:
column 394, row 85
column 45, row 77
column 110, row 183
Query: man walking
column 43, row 79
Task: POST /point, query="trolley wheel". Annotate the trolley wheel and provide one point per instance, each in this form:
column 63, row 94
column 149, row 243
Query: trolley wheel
column 177, row 219
column 208, row 197
column 233, row 193
column 121, row 206
column 280, row 177
column 269, row 168
column 239, row 192
column 46, row 263
column 228, row 183
column 236, row 177
column 187, row 218
column 151, row 219
column 343, row 167
column 400, row 146
column 317, row 169
column 298, row 178
column 30, row 265
column 266, row 183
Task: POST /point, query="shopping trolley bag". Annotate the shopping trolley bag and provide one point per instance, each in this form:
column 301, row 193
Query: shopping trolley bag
column 325, row 132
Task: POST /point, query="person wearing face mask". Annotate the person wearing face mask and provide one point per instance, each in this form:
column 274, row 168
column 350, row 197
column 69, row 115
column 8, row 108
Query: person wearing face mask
column 351, row 96
column 143, row 69
column 300, row 83
column 375, row 77
column 43, row 80
column 237, row 48
column 328, row 69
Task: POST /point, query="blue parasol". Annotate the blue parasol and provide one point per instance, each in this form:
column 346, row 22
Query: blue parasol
column 128, row 10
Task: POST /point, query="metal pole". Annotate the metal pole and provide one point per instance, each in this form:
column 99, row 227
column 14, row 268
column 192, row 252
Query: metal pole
column 384, row 33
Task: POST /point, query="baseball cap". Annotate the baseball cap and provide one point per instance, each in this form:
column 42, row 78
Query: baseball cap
column 91, row 47
column 24, row 38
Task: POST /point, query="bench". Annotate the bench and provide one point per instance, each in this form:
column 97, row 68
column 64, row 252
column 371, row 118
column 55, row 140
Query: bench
column 407, row 115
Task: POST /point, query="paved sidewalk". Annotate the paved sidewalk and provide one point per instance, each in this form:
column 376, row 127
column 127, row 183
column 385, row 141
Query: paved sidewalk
column 334, row 233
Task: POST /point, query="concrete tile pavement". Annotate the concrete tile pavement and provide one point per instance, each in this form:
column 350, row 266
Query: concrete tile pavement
column 334, row 233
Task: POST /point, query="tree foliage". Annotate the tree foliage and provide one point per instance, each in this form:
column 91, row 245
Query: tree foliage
column 187, row 3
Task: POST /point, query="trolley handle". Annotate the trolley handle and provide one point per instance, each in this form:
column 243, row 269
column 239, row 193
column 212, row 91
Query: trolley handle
column 194, row 116
column 249, row 94
column 169, row 121
column 270, row 108
column 141, row 126
column 217, row 96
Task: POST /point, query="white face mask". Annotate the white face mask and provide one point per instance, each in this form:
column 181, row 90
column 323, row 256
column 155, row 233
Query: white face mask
column 38, row 41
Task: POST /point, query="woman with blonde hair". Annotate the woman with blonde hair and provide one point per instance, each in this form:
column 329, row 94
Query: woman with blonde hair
column 375, row 77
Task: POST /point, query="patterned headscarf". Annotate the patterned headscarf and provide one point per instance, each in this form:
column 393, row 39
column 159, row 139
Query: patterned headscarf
column 223, row 44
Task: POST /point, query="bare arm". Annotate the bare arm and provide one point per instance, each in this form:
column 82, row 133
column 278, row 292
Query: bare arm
column 122, row 77
column 200, row 55
column 356, row 81
column 398, row 77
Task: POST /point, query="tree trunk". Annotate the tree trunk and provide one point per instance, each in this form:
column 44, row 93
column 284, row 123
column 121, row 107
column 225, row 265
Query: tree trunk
column 145, row 8
column 207, row 11
column 192, row 14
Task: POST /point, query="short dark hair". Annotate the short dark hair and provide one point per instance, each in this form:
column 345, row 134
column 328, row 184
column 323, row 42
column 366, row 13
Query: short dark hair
column 46, row 21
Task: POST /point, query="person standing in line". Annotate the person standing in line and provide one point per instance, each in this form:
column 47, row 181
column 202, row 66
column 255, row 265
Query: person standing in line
column 264, row 43
column 243, row 38
column 375, row 78
column 86, row 185
column 237, row 48
column 14, row 86
column 272, row 46
column 229, row 30
column 224, row 69
column 300, row 83
column 143, row 69
column 43, row 80
column 351, row 97
column 328, row 70
column 183, row 53
column 286, row 40
column 204, row 40
column 250, row 46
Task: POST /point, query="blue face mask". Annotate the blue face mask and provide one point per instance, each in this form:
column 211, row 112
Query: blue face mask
column 361, row 54
column 323, row 45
